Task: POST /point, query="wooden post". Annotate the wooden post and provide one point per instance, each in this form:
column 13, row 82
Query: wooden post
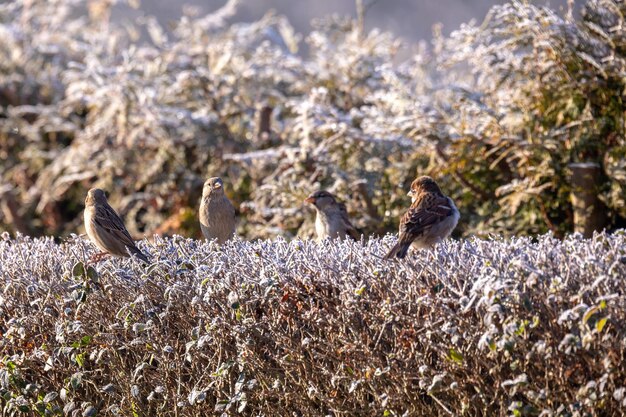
column 264, row 123
column 590, row 214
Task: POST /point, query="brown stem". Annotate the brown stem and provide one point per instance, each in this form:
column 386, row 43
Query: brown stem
column 360, row 187
column 8, row 205
column 547, row 220
column 460, row 178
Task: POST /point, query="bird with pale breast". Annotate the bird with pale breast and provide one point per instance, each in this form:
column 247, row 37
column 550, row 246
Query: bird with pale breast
column 217, row 214
column 430, row 219
column 331, row 218
column 106, row 229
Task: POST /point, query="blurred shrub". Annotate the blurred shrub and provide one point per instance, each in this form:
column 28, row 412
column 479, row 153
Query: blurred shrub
column 500, row 327
column 496, row 112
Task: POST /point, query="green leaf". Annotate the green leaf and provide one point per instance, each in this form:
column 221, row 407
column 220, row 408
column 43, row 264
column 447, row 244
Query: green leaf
column 601, row 323
column 535, row 322
column 221, row 405
column 80, row 359
column 522, row 328
column 151, row 268
column 456, row 356
column 589, row 313
column 92, row 273
column 187, row 266
column 90, row 411
column 436, row 288
column 76, row 380
column 359, row 291
column 78, row 270
column 51, row 396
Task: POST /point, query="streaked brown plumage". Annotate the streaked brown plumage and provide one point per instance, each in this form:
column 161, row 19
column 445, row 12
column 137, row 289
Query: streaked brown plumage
column 217, row 214
column 105, row 228
column 332, row 217
column 430, row 219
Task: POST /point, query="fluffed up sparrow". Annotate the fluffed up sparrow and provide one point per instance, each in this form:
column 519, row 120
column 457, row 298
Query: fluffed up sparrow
column 430, row 219
column 331, row 219
column 217, row 214
column 105, row 228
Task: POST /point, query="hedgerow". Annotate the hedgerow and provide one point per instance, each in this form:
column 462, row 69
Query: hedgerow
column 497, row 112
column 516, row 326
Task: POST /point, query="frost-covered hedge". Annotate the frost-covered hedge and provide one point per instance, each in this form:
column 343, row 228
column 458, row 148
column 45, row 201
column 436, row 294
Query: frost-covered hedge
column 277, row 328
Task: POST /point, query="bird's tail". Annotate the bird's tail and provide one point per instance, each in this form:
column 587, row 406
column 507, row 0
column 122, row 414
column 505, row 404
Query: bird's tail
column 140, row 255
column 399, row 250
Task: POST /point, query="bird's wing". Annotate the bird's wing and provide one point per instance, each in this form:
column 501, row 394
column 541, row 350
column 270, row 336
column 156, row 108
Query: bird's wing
column 350, row 229
column 106, row 218
column 353, row 233
column 423, row 214
column 231, row 209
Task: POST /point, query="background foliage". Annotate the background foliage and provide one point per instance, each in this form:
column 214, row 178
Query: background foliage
column 517, row 327
column 495, row 112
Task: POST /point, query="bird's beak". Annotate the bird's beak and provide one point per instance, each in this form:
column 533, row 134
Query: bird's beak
column 410, row 193
column 310, row 200
column 217, row 185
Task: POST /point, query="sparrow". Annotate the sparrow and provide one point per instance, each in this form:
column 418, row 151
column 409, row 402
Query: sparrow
column 105, row 228
column 217, row 214
column 430, row 219
column 331, row 219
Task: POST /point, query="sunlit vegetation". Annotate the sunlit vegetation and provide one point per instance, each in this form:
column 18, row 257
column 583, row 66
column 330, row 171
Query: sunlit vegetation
column 496, row 112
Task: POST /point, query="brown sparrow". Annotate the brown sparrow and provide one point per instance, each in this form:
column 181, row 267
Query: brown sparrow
column 105, row 228
column 332, row 217
column 217, row 214
column 430, row 219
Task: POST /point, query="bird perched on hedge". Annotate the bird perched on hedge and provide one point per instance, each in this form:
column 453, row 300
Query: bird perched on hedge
column 331, row 219
column 105, row 228
column 217, row 214
column 430, row 219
